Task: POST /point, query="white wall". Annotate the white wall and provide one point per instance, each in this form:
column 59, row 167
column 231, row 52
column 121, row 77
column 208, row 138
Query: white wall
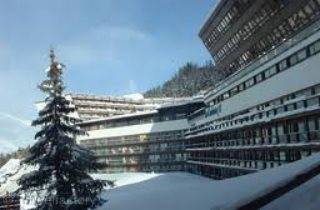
column 300, row 76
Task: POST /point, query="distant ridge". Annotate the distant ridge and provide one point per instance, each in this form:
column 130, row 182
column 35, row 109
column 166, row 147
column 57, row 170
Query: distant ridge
column 188, row 81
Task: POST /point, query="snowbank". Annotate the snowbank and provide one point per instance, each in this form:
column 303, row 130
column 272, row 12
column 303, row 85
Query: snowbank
column 122, row 179
column 13, row 170
column 10, row 167
column 10, row 173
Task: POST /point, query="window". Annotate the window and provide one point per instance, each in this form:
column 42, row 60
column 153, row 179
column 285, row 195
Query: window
column 293, row 59
column 226, row 95
column 292, row 96
column 313, row 102
column 311, row 124
column 302, row 54
column 282, row 156
column 283, row 65
column 308, row 92
column 291, row 107
column 270, row 72
column 280, row 109
column 300, row 104
column 317, row 89
column 241, row 87
column 277, row 102
column 314, row 48
column 258, row 78
column 234, row 91
column 249, row 82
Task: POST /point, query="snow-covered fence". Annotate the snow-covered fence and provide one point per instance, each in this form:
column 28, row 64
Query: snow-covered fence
column 10, row 202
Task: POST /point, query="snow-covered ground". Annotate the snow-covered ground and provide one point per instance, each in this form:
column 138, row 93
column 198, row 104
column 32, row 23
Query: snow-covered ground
column 10, row 173
column 9, row 168
column 183, row 191
column 122, row 179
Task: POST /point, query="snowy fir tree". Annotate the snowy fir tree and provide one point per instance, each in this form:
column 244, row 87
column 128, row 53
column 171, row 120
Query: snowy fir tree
column 62, row 178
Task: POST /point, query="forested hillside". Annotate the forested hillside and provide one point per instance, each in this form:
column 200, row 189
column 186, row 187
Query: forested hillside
column 21, row 153
column 188, row 81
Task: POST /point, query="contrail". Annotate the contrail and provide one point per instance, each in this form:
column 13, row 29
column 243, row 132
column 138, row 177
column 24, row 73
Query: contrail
column 17, row 119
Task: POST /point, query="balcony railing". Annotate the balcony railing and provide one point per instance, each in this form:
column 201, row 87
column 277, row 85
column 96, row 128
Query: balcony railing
column 293, row 138
column 144, row 151
column 133, row 141
column 146, row 162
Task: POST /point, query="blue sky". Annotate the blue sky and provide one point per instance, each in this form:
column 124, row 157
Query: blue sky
column 110, row 47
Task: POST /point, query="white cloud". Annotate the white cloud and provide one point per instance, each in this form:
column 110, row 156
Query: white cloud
column 123, row 33
column 102, row 44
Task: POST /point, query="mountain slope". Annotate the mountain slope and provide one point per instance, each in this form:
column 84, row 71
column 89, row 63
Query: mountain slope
column 188, row 81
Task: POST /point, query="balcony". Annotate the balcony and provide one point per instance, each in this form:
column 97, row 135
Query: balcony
column 311, row 138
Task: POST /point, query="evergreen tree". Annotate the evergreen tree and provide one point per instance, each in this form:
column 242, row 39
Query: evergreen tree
column 62, row 177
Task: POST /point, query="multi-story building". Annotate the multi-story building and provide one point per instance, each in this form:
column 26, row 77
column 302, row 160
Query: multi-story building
column 95, row 107
column 152, row 140
column 263, row 114
column 266, row 111
column 239, row 31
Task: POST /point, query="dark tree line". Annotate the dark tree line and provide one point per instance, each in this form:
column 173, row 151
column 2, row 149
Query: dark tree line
column 188, row 81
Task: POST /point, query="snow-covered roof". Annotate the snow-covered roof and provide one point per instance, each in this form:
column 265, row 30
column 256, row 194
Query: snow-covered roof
column 134, row 96
column 136, row 114
column 156, row 127
column 137, row 97
column 191, row 100
column 96, row 107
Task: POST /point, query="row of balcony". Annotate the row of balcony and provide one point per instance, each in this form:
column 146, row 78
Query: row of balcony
column 134, row 141
column 293, row 138
column 139, row 151
column 166, row 161
column 288, row 108
column 236, row 164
